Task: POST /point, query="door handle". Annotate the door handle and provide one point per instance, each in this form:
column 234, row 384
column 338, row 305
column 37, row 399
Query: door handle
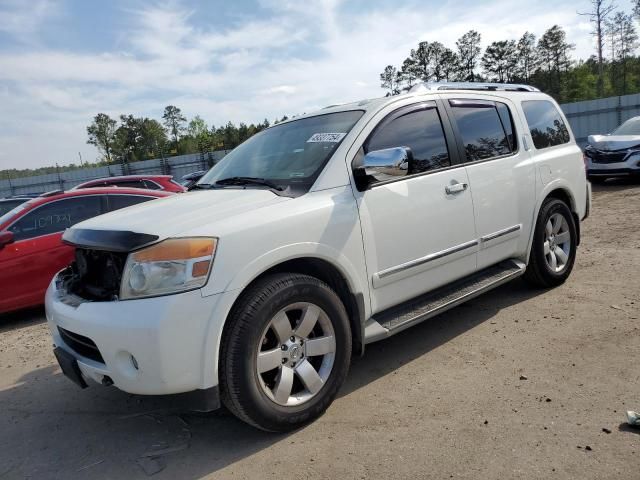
column 455, row 188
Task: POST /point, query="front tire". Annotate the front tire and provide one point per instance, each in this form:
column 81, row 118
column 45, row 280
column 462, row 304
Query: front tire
column 285, row 352
column 553, row 251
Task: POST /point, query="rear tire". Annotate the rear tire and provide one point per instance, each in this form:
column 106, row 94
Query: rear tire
column 285, row 352
column 553, row 251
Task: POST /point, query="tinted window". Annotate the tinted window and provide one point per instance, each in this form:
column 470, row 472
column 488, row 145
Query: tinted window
column 482, row 131
column 151, row 185
column 545, row 123
column 130, row 183
column 8, row 205
column 116, row 202
column 56, row 216
column 507, row 124
column 421, row 131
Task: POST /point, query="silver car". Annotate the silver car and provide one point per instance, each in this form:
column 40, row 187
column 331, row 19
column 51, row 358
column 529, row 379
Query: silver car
column 616, row 154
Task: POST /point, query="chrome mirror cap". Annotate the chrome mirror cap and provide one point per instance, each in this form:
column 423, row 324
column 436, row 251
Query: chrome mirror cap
column 388, row 163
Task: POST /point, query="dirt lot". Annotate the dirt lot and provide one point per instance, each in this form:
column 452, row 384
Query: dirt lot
column 442, row 400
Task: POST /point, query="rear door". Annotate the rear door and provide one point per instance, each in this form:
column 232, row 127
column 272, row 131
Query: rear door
column 501, row 173
column 37, row 254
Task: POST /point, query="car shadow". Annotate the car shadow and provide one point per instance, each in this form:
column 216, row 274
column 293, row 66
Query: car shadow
column 54, row 430
column 21, row 318
column 616, row 184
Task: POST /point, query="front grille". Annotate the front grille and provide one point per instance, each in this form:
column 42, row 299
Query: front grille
column 81, row 345
column 604, row 156
column 96, row 274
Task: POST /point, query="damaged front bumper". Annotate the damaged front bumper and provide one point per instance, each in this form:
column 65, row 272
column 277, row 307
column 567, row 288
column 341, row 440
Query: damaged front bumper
column 153, row 346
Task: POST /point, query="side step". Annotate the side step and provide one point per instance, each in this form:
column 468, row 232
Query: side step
column 416, row 310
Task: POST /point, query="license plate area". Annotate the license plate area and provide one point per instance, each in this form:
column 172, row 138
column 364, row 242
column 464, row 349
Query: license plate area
column 69, row 366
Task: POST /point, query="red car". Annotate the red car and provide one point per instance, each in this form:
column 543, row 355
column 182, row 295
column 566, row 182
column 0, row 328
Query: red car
column 151, row 182
column 31, row 250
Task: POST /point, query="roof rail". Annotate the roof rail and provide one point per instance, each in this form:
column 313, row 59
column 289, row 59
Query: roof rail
column 505, row 87
column 52, row 193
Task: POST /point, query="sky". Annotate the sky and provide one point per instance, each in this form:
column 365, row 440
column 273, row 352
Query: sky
column 64, row 61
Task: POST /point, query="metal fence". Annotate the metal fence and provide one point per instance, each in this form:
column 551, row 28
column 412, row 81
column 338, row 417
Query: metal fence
column 176, row 166
column 586, row 118
column 600, row 116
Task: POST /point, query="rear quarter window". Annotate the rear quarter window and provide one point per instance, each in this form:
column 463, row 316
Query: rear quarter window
column 546, row 125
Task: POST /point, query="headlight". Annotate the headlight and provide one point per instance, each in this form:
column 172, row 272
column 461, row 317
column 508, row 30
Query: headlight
column 172, row 266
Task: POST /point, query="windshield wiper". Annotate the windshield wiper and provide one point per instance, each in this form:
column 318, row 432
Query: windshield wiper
column 249, row 181
column 201, row 186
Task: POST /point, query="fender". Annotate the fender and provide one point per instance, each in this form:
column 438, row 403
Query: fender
column 556, row 184
column 253, row 270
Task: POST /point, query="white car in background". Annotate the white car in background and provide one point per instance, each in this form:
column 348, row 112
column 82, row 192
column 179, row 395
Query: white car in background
column 318, row 236
column 616, row 154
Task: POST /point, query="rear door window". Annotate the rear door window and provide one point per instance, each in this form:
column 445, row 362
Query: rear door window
column 116, row 202
column 416, row 127
column 485, row 128
column 56, row 216
column 545, row 124
column 130, row 184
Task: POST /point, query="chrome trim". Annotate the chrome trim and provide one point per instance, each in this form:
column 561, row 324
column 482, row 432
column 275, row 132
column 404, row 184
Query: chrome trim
column 454, row 302
column 500, row 233
column 428, row 258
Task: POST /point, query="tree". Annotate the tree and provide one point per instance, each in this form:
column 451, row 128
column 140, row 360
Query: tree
column 389, row 79
column 407, row 75
column 436, row 52
column 102, row 134
column 624, row 40
column 421, row 61
column 500, row 59
column 527, row 57
column 174, row 122
column 197, row 127
column 554, row 49
column 449, row 64
column 600, row 9
column 468, row 52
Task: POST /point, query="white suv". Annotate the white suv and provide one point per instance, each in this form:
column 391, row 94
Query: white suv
column 315, row 237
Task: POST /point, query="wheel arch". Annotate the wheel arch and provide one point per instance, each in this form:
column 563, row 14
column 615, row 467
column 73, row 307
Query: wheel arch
column 561, row 191
column 326, row 271
column 564, row 194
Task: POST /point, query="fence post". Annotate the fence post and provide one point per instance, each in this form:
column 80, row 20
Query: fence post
column 60, row 181
column 11, row 193
column 619, row 110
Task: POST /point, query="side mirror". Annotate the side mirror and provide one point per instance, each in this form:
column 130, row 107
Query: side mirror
column 387, row 164
column 6, row 238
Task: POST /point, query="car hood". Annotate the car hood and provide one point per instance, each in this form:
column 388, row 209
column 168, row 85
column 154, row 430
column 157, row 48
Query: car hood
column 613, row 142
column 177, row 214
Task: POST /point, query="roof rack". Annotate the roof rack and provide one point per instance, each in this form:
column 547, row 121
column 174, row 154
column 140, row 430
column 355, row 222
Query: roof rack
column 491, row 87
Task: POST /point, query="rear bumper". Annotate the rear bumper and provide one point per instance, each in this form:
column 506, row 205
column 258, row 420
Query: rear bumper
column 587, row 209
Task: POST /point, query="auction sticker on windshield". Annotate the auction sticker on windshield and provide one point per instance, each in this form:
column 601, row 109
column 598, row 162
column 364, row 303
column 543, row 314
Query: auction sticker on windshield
column 326, row 137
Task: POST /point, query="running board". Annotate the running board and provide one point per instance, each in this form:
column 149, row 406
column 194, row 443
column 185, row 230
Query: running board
column 416, row 310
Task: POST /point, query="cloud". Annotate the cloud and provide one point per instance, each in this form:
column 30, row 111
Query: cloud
column 288, row 58
column 21, row 20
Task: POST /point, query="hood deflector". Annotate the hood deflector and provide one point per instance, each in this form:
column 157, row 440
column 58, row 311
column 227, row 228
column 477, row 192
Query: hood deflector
column 107, row 240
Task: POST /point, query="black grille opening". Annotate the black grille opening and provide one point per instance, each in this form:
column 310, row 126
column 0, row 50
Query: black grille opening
column 81, row 345
column 604, row 156
column 96, row 275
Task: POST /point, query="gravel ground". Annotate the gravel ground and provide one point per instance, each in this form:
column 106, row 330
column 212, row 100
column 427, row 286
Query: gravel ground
column 515, row 384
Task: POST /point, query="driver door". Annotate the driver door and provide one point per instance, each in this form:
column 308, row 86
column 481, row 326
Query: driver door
column 418, row 230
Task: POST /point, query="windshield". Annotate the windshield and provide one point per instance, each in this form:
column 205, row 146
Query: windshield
column 630, row 127
column 288, row 155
